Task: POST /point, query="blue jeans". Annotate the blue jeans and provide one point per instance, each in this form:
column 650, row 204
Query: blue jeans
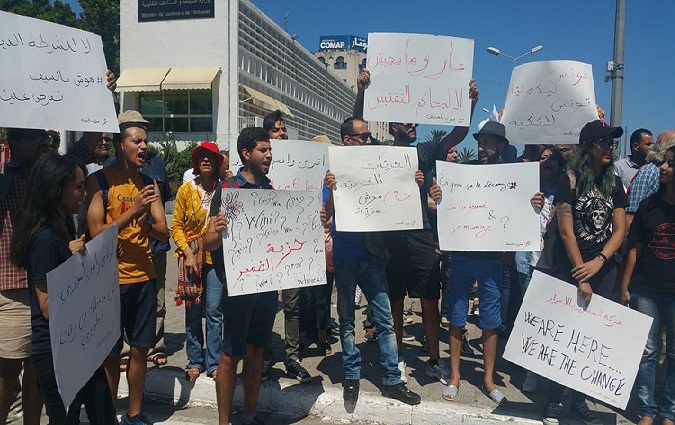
column 662, row 310
column 371, row 277
column 489, row 272
column 194, row 335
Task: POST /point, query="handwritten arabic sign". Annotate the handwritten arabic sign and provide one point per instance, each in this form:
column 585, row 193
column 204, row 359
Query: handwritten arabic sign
column 84, row 313
column 376, row 189
column 487, row 207
column 274, row 240
column 419, row 78
column 296, row 164
column 52, row 77
column 166, row 10
column 582, row 348
column 549, row 102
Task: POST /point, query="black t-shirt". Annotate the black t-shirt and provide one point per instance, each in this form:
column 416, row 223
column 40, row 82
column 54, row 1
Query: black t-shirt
column 47, row 251
column 592, row 213
column 653, row 229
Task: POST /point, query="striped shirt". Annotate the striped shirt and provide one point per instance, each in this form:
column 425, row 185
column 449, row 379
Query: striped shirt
column 11, row 201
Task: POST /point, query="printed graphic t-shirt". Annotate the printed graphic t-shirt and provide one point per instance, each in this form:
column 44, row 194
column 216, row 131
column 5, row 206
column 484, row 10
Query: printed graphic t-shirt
column 592, row 213
column 653, row 229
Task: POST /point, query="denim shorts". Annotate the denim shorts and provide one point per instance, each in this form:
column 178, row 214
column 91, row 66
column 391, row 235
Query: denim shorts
column 467, row 269
column 138, row 314
column 248, row 319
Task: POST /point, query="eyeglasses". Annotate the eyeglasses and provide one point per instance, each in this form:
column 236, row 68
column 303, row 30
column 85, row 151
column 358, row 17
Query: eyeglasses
column 606, row 143
column 363, row 136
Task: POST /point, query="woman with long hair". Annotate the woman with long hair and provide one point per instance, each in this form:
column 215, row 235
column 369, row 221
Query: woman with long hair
column 43, row 239
column 648, row 286
column 590, row 209
column 198, row 284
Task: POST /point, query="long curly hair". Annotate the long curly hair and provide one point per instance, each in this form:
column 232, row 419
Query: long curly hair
column 582, row 167
column 47, row 180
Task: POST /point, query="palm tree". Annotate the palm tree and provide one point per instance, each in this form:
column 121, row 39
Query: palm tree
column 467, row 155
column 435, row 136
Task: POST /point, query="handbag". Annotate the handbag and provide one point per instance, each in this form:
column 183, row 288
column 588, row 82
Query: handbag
column 190, row 287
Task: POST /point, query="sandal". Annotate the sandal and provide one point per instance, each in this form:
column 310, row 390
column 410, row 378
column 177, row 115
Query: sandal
column 495, row 395
column 192, row 374
column 159, row 359
column 124, row 363
column 450, row 392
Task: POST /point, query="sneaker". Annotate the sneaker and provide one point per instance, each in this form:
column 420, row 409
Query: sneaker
column 401, row 393
column 407, row 337
column 581, row 411
column 407, row 320
column 439, row 371
column 266, row 369
column 296, row 370
column 530, row 383
column 256, row 420
column 402, row 368
column 552, row 414
column 139, row 419
column 357, row 298
column 371, row 335
column 350, row 392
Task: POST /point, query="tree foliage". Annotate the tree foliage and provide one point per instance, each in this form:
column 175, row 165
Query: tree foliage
column 467, row 155
column 435, row 136
column 101, row 17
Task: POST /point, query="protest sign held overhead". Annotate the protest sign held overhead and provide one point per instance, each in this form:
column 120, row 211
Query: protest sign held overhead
column 582, row 347
column 375, row 188
column 274, row 240
column 296, row 164
column 549, row 102
column 84, row 312
column 53, row 77
column 487, row 207
column 419, row 78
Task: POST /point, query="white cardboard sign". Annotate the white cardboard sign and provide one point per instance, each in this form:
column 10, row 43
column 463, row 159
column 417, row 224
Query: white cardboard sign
column 274, row 240
column 594, row 349
column 487, row 207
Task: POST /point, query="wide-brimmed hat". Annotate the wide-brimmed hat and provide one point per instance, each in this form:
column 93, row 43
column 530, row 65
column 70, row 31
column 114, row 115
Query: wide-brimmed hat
column 595, row 130
column 211, row 148
column 493, row 128
column 131, row 116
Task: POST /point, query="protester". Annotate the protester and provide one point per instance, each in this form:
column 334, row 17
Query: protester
column 568, row 151
column 27, row 146
column 641, row 142
column 413, row 269
column 247, row 319
column 590, row 204
column 485, row 267
column 45, row 238
column 223, row 173
column 649, row 288
column 120, row 195
column 361, row 258
column 275, row 126
column 201, row 290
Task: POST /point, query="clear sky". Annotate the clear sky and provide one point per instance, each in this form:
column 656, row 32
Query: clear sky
column 580, row 30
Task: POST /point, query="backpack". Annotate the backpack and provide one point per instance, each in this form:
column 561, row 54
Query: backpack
column 553, row 244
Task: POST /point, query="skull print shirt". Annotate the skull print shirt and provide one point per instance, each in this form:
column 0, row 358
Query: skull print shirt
column 592, row 212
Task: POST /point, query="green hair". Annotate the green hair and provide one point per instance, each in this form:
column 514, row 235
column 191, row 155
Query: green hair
column 581, row 165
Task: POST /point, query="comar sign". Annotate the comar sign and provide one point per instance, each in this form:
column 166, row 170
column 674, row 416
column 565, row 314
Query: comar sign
column 343, row 42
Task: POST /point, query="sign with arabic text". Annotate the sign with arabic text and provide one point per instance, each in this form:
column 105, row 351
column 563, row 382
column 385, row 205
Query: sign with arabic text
column 169, row 10
column 296, row 164
column 549, row 102
column 487, row 207
column 375, row 188
column 84, row 313
column 274, row 240
column 52, row 77
column 595, row 348
column 419, row 78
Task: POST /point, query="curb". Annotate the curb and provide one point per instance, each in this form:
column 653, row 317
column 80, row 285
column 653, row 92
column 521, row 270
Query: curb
column 298, row 400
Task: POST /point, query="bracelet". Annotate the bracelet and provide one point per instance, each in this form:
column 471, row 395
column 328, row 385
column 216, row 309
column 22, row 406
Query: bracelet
column 602, row 257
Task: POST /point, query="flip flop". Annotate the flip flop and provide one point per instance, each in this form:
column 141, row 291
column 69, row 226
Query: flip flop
column 495, row 395
column 159, row 359
column 450, row 392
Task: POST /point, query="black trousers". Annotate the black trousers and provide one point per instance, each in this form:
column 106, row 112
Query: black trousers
column 95, row 395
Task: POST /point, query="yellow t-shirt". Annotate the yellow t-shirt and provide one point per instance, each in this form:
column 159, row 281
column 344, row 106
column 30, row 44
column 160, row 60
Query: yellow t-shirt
column 135, row 265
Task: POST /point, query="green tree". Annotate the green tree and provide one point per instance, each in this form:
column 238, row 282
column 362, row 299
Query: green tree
column 467, row 155
column 435, row 136
column 57, row 12
column 102, row 17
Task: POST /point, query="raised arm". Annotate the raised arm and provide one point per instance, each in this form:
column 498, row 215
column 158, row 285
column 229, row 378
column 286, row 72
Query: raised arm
column 362, row 83
column 459, row 133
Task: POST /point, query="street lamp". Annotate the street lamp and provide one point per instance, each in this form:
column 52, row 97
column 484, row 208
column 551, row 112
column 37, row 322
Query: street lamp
column 495, row 51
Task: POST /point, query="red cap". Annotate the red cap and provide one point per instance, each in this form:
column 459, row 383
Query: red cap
column 210, row 147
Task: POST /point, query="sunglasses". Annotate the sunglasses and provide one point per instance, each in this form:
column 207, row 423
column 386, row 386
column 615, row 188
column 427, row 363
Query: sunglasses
column 363, row 136
column 606, row 143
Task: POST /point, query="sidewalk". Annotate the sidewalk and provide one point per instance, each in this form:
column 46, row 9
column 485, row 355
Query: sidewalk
column 323, row 396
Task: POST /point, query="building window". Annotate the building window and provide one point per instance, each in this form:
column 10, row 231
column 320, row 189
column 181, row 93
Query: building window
column 178, row 111
column 362, row 66
column 340, row 63
column 322, row 60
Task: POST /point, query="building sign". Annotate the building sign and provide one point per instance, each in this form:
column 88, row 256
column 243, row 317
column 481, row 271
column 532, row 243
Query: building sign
column 343, row 42
column 169, row 10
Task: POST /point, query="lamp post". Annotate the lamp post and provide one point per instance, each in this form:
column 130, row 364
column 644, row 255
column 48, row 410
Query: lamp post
column 495, row 51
